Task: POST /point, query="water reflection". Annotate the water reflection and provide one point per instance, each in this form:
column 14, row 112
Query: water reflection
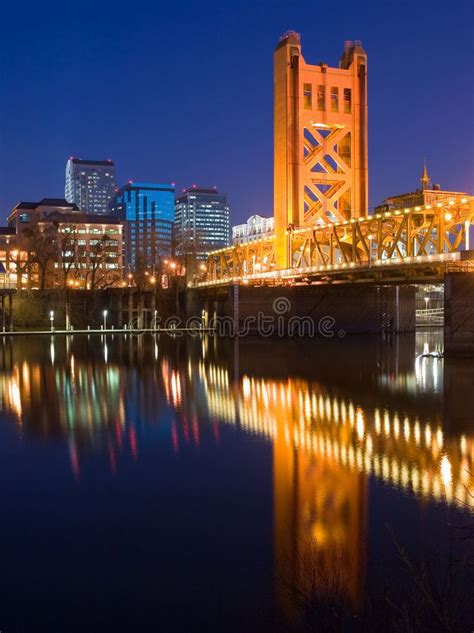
column 336, row 415
column 92, row 397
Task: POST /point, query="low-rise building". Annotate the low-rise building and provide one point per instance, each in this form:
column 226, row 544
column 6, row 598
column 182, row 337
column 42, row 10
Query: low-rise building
column 256, row 228
column 428, row 193
column 52, row 243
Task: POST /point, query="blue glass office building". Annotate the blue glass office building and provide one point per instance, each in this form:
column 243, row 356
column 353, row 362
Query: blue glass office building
column 147, row 211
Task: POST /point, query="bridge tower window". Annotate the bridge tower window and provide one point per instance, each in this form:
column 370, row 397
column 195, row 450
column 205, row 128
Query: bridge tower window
column 334, row 99
column 321, row 98
column 347, row 100
column 308, row 96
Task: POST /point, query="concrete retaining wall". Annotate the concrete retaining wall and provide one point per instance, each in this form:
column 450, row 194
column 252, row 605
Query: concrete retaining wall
column 31, row 308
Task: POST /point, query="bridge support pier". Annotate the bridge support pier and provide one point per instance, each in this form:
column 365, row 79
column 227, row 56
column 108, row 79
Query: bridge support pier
column 326, row 310
column 459, row 314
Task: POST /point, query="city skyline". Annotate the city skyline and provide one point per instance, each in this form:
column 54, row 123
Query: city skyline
column 226, row 126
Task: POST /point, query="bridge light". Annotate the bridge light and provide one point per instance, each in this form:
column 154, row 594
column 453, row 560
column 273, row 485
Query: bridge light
column 439, row 204
column 464, row 200
column 427, row 206
column 448, row 217
column 417, row 208
column 407, row 210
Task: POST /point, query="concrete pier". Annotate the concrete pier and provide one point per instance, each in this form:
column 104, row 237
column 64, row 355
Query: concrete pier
column 459, row 314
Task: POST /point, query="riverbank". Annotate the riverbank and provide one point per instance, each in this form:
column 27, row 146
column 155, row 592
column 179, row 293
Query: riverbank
column 124, row 308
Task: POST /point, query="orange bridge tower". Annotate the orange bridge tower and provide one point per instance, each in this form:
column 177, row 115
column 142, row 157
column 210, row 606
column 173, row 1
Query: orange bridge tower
column 320, row 140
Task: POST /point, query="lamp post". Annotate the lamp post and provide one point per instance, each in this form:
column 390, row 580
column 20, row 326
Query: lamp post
column 105, row 319
column 51, row 318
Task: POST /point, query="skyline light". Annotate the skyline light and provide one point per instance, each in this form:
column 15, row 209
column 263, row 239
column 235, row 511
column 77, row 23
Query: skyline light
column 227, row 123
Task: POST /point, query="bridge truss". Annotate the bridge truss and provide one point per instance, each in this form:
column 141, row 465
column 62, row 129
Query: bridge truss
column 413, row 243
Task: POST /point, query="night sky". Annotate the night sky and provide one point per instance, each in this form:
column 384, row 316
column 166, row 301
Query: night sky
column 183, row 91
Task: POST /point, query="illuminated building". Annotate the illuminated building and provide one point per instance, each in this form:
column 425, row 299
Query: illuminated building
column 427, row 194
column 255, row 228
column 79, row 248
column 14, row 259
column 90, row 184
column 201, row 222
column 320, row 139
column 323, row 231
column 147, row 212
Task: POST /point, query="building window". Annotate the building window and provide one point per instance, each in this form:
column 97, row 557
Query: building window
column 347, row 100
column 24, row 217
column 321, row 98
column 308, row 96
column 334, row 99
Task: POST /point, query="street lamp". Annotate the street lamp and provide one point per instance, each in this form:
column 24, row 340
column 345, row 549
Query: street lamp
column 427, row 299
column 51, row 318
column 105, row 319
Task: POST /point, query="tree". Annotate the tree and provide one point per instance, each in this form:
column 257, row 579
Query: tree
column 41, row 245
column 23, row 265
column 70, row 251
column 98, row 275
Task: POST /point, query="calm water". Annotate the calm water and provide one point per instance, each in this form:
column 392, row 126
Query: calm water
column 158, row 484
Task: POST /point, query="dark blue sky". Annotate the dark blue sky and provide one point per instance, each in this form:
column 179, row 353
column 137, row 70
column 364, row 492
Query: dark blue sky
column 182, row 91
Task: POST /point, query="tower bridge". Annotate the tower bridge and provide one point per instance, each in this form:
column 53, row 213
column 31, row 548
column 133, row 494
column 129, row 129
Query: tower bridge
column 410, row 245
column 323, row 233
column 323, row 230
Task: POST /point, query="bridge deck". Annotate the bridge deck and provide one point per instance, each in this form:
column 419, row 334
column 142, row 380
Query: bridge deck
column 418, row 244
column 425, row 269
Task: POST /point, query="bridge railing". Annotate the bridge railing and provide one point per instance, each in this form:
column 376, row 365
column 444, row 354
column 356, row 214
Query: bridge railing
column 430, row 316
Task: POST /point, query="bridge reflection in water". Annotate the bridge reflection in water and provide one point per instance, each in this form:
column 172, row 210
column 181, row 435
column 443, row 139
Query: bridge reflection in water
column 402, row 418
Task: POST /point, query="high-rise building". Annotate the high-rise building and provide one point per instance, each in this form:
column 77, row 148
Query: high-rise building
column 147, row 212
column 90, row 184
column 201, row 222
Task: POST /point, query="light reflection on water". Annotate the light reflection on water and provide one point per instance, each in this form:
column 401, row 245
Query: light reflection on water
column 407, row 449
column 335, row 416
